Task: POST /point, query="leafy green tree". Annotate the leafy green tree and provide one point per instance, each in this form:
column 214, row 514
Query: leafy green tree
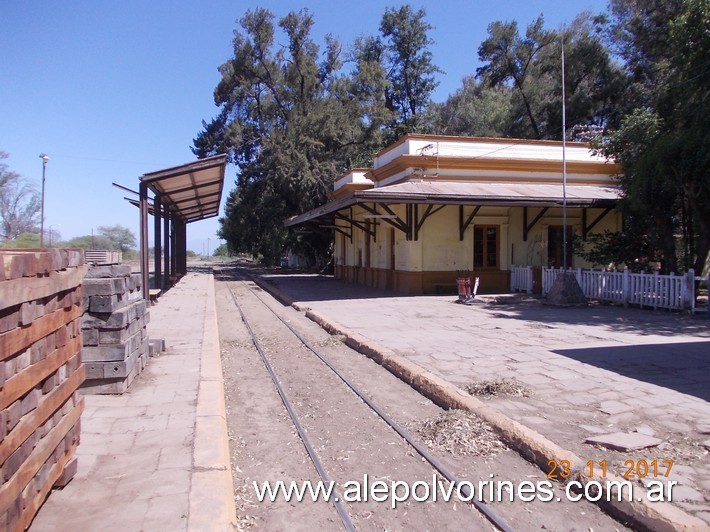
column 616, row 248
column 663, row 144
column 474, row 110
column 511, row 59
column 19, row 204
column 291, row 121
column 23, row 240
column 639, row 33
column 221, row 251
column 410, row 67
column 530, row 66
column 89, row 242
column 121, row 238
column 368, row 86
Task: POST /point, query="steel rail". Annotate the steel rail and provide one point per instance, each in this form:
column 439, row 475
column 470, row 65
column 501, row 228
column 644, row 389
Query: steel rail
column 494, row 518
column 342, row 513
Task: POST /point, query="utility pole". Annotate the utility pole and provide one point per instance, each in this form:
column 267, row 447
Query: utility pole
column 44, row 158
column 564, row 163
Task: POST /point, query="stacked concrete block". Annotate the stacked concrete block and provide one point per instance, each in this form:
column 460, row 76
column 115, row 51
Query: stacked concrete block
column 41, row 305
column 114, row 329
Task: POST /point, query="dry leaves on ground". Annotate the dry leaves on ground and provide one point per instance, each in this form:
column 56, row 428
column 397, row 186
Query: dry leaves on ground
column 498, row 387
column 461, row 432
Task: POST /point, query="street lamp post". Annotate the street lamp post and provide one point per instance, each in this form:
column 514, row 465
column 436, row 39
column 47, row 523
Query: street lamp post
column 44, row 158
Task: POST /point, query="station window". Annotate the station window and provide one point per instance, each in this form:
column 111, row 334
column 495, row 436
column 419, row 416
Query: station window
column 486, row 246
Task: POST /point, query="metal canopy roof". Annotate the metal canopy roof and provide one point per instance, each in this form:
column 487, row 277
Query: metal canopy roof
column 471, row 193
column 192, row 191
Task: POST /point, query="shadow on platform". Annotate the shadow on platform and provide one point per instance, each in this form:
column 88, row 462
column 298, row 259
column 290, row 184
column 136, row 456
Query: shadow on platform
column 682, row 366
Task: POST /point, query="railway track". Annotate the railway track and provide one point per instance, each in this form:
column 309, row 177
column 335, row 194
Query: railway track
column 313, row 389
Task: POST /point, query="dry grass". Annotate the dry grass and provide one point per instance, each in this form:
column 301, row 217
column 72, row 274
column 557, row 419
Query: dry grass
column 498, row 387
column 461, row 432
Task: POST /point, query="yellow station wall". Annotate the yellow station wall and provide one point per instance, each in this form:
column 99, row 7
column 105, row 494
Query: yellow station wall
column 428, row 265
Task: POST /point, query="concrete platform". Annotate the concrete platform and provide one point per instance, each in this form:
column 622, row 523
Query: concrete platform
column 156, row 457
column 592, row 371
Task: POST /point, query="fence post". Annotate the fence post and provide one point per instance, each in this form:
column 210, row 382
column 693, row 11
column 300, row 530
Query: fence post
column 625, row 288
column 529, row 279
column 689, row 291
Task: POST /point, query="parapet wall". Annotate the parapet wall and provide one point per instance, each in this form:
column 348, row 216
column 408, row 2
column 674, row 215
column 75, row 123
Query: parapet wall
column 41, row 305
column 114, row 327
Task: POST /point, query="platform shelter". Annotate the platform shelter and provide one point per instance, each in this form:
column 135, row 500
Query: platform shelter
column 180, row 195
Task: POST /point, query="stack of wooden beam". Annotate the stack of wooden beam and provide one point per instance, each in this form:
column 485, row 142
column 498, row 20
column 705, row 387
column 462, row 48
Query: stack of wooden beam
column 41, row 305
column 114, row 328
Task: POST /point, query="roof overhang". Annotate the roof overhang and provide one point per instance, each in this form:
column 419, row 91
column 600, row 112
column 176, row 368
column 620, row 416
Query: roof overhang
column 471, row 193
column 191, row 191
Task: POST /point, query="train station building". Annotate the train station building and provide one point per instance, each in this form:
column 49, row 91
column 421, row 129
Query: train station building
column 434, row 205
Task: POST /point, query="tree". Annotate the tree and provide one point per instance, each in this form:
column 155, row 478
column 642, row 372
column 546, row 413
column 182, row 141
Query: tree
column 410, row 69
column 530, row 66
column 120, row 237
column 639, row 33
column 221, row 251
column 23, row 240
column 19, row 204
column 291, row 122
column 663, row 143
column 474, row 110
column 89, row 242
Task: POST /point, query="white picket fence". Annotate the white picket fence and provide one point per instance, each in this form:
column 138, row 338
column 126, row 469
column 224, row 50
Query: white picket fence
column 521, row 279
column 676, row 292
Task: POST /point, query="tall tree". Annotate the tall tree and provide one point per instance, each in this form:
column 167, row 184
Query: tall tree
column 410, row 67
column 638, row 32
column 511, row 59
column 664, row 142
column 120, row 237
column 474, row 110
column 369, row 87
column 19, row 203
column 530, row 66
column 291, row 123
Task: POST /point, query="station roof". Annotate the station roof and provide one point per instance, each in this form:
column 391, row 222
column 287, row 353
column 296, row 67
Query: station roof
column 191, row 191
column 471, row 193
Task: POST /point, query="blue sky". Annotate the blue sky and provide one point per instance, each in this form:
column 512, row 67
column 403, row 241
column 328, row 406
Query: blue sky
column 111, row 90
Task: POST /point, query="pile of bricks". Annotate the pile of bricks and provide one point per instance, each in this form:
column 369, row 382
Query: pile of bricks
column 114, row 328
column 41, row 305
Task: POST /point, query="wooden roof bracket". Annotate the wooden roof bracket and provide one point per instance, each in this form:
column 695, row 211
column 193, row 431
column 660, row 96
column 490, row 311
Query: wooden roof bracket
column 463, row 225
column 363, row 227
column 586, row 229
column 395, row 222
column 527, row 227
column 418, row 223
column 343, row 230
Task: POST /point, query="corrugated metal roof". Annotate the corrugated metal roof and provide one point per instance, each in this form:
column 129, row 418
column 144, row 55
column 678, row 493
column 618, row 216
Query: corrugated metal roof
column 192, row 191
column 486, row 193
column 472, row 193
